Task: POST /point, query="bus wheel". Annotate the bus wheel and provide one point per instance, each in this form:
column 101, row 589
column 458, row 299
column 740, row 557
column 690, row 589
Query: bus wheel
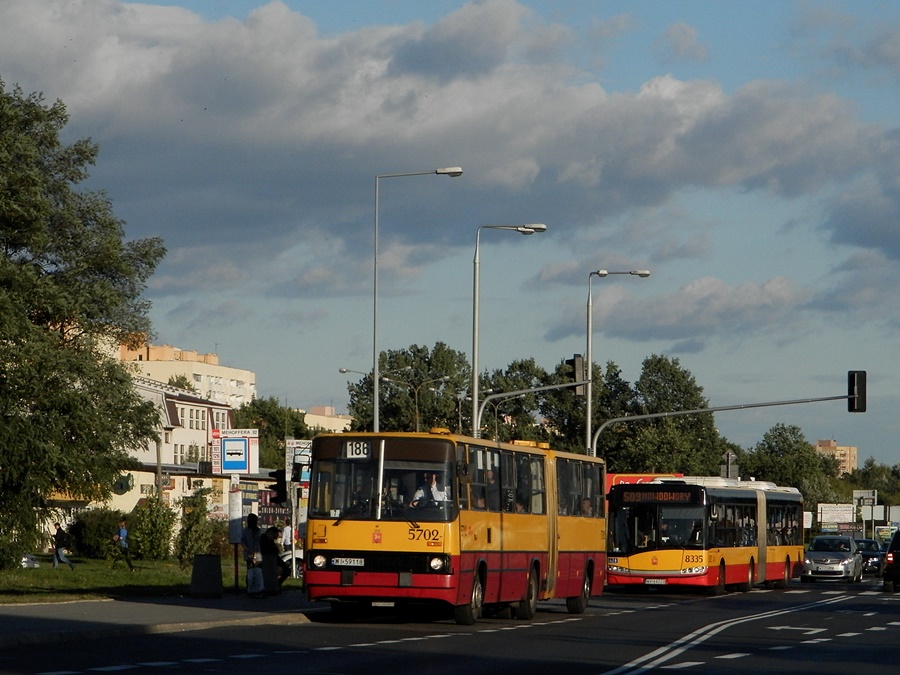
column 719, row 588
column 527, row 607
column 747, row 585
column 786, row 575
column 577, row 604
column 466, row 615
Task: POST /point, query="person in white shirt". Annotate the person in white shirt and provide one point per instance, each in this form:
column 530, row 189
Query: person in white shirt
column 431, row 490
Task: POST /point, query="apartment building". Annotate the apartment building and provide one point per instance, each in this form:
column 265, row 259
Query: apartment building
column 846, row 455
column 212, row 381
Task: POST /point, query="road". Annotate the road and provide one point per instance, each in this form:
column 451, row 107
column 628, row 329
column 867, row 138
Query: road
column 808, row 628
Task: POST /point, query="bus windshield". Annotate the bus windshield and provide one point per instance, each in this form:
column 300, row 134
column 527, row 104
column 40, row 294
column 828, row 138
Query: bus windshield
column 653, row 526
column 385, row 482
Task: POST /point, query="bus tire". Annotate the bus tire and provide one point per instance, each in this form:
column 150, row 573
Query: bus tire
column 468, row 614
column 719, row 588
column 751, row 574
column 577, row 604
column 785, row 575
column 527, row 607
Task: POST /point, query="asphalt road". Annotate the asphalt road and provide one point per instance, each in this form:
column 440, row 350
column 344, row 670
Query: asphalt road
column 808, row 628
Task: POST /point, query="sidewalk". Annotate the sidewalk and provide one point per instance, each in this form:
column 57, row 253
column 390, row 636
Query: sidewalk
column 57, row 622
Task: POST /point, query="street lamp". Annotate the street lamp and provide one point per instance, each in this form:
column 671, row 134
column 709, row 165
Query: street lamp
column 452, row 171
column 590, row 365
column 415, row 388
column 521, row 229
column 496, row 405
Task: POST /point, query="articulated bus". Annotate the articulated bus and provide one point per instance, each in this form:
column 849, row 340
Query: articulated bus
column 709, row 532
column 402, row 518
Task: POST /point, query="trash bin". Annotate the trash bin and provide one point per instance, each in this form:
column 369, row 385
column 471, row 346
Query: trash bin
column 206, row 577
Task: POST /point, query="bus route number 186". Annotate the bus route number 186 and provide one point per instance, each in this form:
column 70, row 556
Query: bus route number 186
column 357, row 449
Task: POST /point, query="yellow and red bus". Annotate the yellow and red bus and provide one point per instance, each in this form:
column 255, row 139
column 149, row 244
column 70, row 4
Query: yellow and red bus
column 704, row 531
column 402, row 518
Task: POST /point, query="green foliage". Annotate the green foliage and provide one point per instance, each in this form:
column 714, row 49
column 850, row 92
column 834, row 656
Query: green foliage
column 151, row 527
column 275, row 423
column 196, row 533
column 219, row 543
column 92, row 532
column 416, row 375
column 182, row 381
column 785, row 457
column 69, row 285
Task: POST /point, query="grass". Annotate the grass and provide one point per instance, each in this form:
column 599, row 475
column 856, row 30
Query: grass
column 100, row 579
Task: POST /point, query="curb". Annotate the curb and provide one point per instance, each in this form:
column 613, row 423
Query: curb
column 285, row 619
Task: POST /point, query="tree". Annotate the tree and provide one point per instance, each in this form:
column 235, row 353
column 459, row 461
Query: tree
column 69, row 287
column 786, row 458
column 410, row 376
column 513, row 418
column 275, row 423
column 687, row 444
column 182, row 381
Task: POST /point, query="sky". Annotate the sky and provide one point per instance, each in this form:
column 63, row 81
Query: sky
column 747, row 154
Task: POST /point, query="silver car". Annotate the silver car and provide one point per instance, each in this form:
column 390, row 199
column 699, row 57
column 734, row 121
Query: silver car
column 832, row 557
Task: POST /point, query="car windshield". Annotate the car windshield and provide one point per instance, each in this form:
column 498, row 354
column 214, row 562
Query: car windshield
column 830, row 545
column 868, row 545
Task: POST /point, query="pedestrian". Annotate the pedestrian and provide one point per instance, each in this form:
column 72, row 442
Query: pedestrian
column 121, row 540
column 287, row 535
column 275, row 570
column 250, row 541
column 60, row 544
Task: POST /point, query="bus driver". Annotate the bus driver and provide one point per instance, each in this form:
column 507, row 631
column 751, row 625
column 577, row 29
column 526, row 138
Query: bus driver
column 431, row 490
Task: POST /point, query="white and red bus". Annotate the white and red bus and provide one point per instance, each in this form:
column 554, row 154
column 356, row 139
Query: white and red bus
column 704, row 531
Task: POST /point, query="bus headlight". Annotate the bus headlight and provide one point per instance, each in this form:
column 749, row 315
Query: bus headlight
column 438, row 564
column 319, row 561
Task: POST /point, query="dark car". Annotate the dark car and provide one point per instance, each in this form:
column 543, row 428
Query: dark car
column 872, row 555
column 890, row 570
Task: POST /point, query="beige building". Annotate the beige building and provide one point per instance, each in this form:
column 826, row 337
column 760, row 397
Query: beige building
column 212, row 381
column 324, row 418
column 846, row 455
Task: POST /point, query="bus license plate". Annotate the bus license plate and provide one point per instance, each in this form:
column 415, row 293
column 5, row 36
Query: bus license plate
column 348, row 562
column 655, row 582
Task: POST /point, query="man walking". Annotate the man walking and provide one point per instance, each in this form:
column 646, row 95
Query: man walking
column 60, row 544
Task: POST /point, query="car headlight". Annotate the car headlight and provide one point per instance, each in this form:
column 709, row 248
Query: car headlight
column 319, row 561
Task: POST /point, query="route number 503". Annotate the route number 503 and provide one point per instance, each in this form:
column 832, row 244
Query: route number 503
column 420, row 534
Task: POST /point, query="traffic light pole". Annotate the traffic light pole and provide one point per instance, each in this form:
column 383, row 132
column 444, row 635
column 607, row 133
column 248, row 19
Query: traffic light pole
column 675, row 413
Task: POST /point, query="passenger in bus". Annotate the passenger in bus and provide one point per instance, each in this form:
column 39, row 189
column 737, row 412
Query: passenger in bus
column 492, row 491
column 520, row 505
column 587, row 507
column 431, row 490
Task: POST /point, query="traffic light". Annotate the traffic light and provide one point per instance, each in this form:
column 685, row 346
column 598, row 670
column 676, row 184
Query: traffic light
column 577, row 365
column 279, row 487
column 856, row 391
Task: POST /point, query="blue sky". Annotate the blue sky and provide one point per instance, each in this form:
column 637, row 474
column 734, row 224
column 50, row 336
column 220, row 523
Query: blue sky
column 746, row 153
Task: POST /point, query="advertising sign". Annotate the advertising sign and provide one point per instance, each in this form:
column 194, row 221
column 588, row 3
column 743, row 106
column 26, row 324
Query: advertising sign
column 837, row 513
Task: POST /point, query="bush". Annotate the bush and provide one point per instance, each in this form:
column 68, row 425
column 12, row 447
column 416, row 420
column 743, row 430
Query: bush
column 92, row 531
column 150, row 532
column 196, row 533
column 220, row 544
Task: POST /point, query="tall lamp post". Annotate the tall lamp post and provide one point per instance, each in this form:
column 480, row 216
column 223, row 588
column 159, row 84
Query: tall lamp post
column 415, row 389
column 590, row 339
column 452, row 171
column 521, row 229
